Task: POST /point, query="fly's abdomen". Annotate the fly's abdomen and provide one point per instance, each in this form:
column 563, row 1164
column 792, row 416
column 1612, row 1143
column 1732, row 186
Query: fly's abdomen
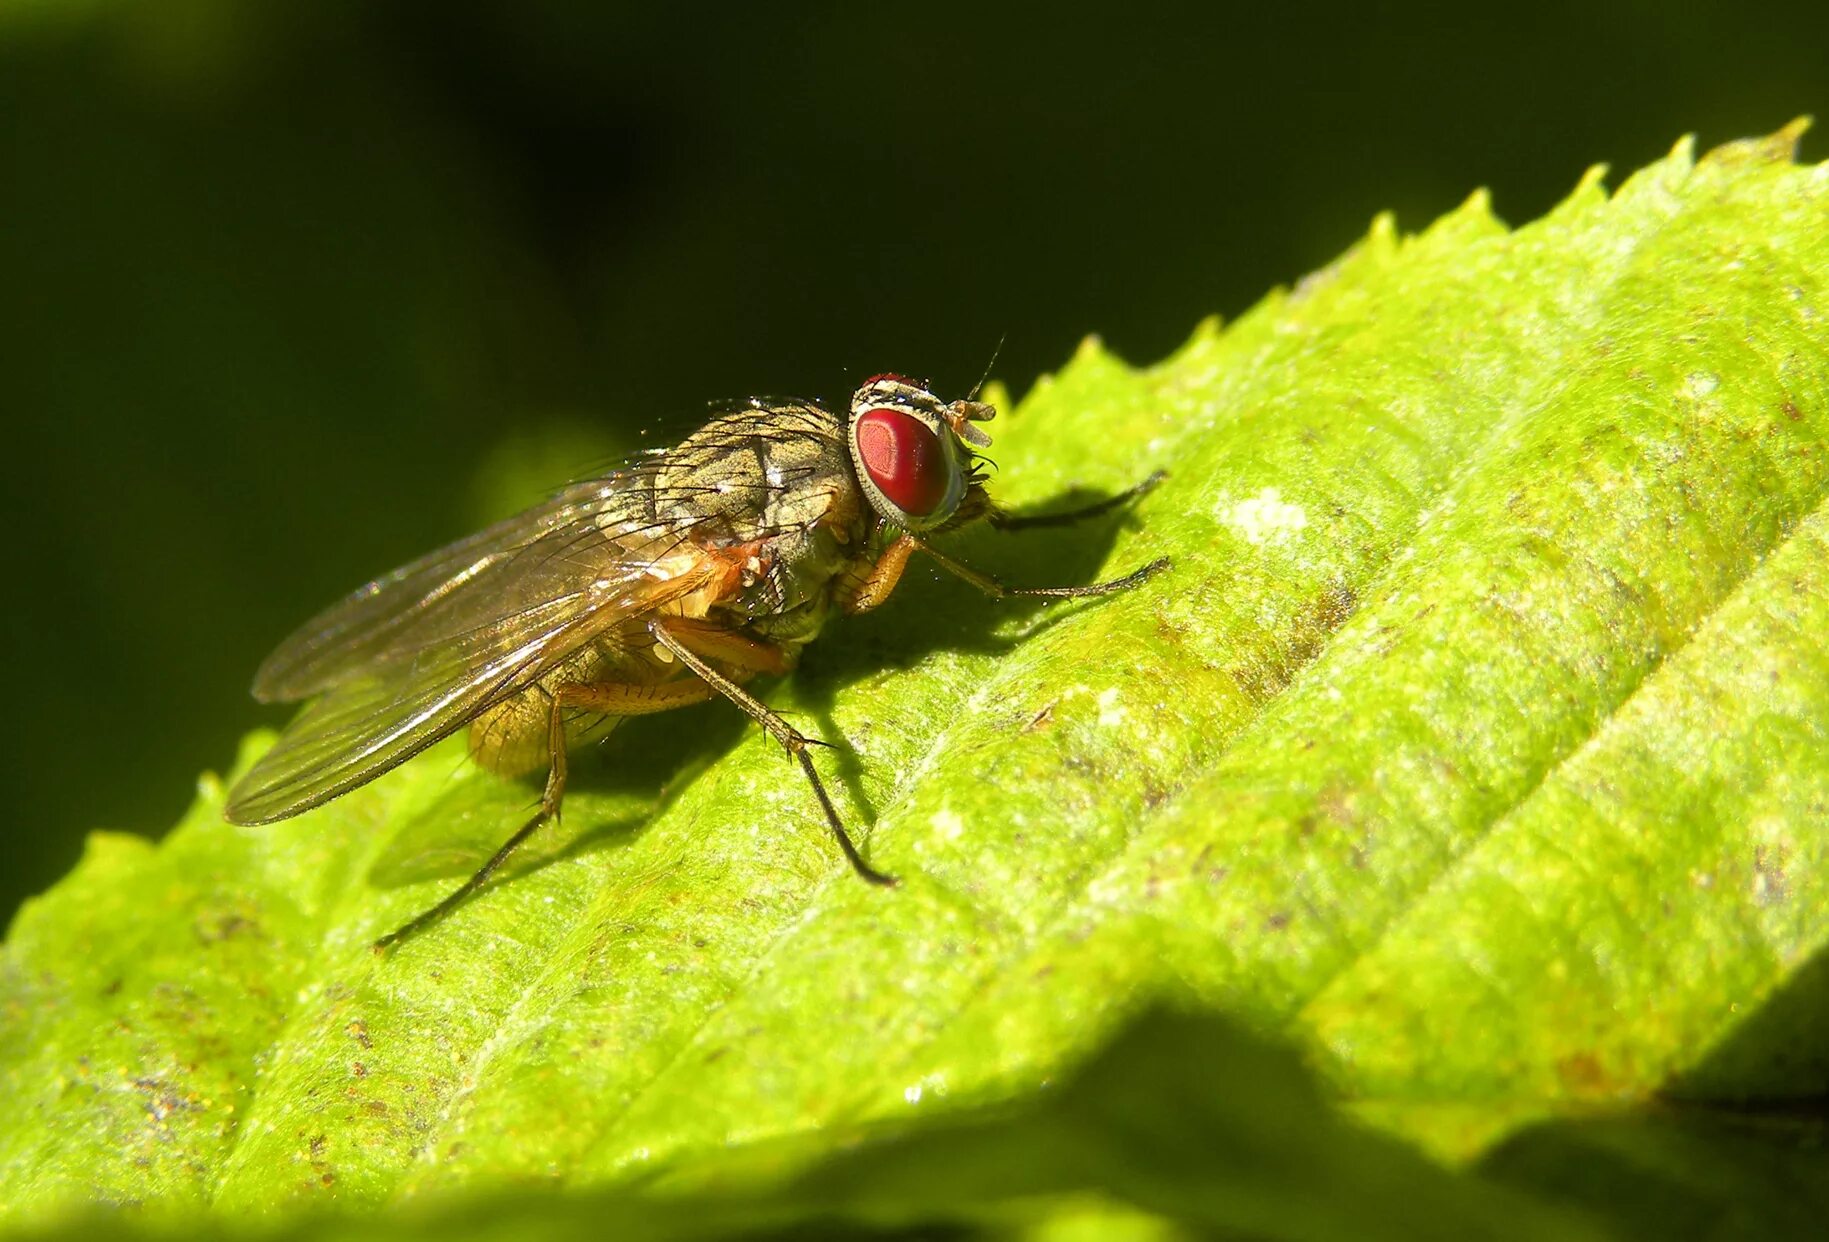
column 513, row 737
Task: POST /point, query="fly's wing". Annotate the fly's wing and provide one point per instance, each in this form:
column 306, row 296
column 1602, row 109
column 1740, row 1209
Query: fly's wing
column 368, row 724
column 418, row 603
column 416, row 657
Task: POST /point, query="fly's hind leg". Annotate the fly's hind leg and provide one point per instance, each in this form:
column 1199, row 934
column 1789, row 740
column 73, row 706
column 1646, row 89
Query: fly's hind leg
column 687, row 641
column 606, row 698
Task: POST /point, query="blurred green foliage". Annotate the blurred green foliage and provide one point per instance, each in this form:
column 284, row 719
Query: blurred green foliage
column 278, row 282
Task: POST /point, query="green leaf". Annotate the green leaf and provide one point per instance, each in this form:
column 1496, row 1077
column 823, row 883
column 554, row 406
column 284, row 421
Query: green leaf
column 1141, row 1124
column 1474, row 744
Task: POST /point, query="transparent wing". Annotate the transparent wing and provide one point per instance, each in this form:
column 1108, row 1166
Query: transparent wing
column 441, row 595
column 372, row 720
column 416, row 654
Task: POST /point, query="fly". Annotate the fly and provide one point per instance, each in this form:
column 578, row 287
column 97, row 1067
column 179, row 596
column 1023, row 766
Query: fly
column 675, row 580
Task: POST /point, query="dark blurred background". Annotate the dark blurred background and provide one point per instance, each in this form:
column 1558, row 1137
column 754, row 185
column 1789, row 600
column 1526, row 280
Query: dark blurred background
column 290, row 293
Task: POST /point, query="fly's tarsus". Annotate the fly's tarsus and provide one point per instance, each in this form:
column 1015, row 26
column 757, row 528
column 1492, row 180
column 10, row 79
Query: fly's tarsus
column 792, row 740
column 837, row 825
column 1005, row 521
column 462, row 892
column 997, row 590
column 552, row 799
column 1137, row 578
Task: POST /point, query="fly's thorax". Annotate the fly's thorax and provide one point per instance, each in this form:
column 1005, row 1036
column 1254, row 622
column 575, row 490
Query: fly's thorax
column 757, row 473
column 787, row 585
column 769, row 484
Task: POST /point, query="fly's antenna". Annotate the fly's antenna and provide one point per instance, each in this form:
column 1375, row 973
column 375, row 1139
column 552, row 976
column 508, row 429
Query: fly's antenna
column 985, row 378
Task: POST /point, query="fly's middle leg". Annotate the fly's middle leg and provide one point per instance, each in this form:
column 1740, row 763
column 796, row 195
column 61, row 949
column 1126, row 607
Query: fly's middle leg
column 686, row 642
column 739, row 655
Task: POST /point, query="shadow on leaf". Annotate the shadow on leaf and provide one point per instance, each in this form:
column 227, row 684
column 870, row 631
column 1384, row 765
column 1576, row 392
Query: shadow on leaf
column 1737, row 1147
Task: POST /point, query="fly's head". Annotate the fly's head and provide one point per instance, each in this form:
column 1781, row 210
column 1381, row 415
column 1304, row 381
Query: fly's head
column 912, row 452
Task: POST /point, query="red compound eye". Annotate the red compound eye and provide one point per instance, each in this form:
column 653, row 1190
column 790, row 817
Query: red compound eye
column 904, row 458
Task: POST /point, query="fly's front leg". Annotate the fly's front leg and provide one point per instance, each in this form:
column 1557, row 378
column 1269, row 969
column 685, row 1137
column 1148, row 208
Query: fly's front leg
column 683, row 641
column 862, row 590
column 870, row 588
column 865, row 589
column 1005, row 521
column 607, row 698
column 997, row 590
